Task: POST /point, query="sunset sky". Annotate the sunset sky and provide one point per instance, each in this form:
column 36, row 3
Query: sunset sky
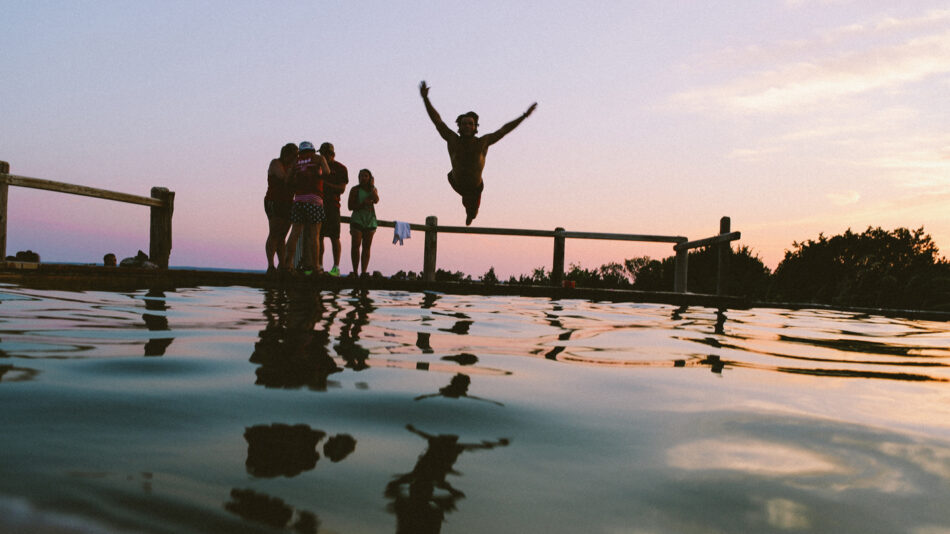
column 793, row 117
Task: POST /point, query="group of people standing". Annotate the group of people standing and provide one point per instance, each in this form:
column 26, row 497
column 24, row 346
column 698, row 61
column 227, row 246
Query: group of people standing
column 303, row 196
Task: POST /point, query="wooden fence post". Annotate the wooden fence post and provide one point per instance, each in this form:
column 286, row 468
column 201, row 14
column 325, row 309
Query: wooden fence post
column 557, row 266
column 429, row 255
column 160, row 229
column 723, row 252
column 681, row 269
column 4, row 188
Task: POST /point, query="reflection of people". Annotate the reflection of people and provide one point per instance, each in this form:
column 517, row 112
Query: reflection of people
column 281, row 450
column 419, row 510
column 291, row 352
column 362, row 200
column 155, row 302
column 307, row 213
column 272, row 511
column 457, row 388
column 333, row 186
column 467, row 151
column 339, row 447
column 277, row 203
column 348, row 347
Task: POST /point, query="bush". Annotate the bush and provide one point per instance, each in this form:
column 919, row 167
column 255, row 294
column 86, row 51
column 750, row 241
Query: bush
column 879, row 268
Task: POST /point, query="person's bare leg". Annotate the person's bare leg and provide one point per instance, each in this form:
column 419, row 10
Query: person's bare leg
column 356, row 239
column 316, row 249
column 291, row 248
column 367, row 245
column 275, row 241
column 335, row 244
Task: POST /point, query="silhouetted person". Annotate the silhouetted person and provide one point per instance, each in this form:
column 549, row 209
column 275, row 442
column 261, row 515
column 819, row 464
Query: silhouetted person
column 467, row 151
column 278, row 201
column 109, row 260
column 333, row 186
column 419, row 510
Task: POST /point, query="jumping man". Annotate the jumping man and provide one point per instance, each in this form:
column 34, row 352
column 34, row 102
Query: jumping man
column 467, row 151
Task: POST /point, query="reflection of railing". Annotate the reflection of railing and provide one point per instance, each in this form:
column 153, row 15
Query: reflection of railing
column 682, row 246
column 161, row 203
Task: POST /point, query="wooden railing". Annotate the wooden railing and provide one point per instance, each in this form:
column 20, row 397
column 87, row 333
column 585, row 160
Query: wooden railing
column 681, row 246
column 161, row 202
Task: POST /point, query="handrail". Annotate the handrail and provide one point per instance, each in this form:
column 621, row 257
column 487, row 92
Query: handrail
column 681, row 245
column 482, row 230
column 161, row 204
column 714, row 240
column 63, row 187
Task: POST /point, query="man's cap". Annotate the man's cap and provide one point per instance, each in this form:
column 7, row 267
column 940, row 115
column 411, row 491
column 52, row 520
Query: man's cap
column 306, row 145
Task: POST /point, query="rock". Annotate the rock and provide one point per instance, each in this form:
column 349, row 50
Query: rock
column 139, row 261
column 26, row 255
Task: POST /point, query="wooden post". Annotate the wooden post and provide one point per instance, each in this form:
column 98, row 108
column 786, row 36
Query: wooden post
column 557, row 267
column 160, row 229
column 429, row 255
column 723, row 252
column 4, row 169
column 681, row 268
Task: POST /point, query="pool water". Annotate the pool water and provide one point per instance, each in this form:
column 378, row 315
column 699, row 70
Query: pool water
column 245, row 410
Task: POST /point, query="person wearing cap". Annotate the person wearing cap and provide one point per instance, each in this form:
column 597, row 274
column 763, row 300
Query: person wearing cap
column 333, row 186
column 467, row 151
column 307, row 212
column 278, row 201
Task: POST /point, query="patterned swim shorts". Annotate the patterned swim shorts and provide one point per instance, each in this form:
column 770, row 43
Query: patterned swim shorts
column 307, row 213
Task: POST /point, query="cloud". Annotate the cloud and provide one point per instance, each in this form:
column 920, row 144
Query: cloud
column 792, row 87
column 853, row 59
column 846, row 198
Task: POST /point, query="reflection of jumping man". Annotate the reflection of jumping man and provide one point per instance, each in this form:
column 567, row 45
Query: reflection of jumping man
column 421, row 511
column 467, row 151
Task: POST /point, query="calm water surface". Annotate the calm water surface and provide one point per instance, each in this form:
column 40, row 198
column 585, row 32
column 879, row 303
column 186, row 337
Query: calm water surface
column 244, row 410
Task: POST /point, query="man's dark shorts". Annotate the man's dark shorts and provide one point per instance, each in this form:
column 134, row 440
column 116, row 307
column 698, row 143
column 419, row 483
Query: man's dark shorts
column 331, row 226
column 277, row 210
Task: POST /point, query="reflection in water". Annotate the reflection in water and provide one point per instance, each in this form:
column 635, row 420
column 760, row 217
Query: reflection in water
column 720, row 321
column 155, row 302
column 271, row 511
column 460, row 327
column 764, row 421
column 352, row 353
column 462, row 359
column 291, row 352
column 10, row 373
column 422, row 341
column 457, row 388
column 428, row 300
column 281, row 450
column 418, row 509
column 339, row 447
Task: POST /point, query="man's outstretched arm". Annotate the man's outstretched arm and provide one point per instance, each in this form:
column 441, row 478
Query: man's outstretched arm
column 494, row 137
column 444, row 130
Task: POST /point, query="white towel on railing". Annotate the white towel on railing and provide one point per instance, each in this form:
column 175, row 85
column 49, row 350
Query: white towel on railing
column 400, row 232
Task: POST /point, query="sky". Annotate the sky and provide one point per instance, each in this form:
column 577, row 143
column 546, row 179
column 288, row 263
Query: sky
column 792, row 117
